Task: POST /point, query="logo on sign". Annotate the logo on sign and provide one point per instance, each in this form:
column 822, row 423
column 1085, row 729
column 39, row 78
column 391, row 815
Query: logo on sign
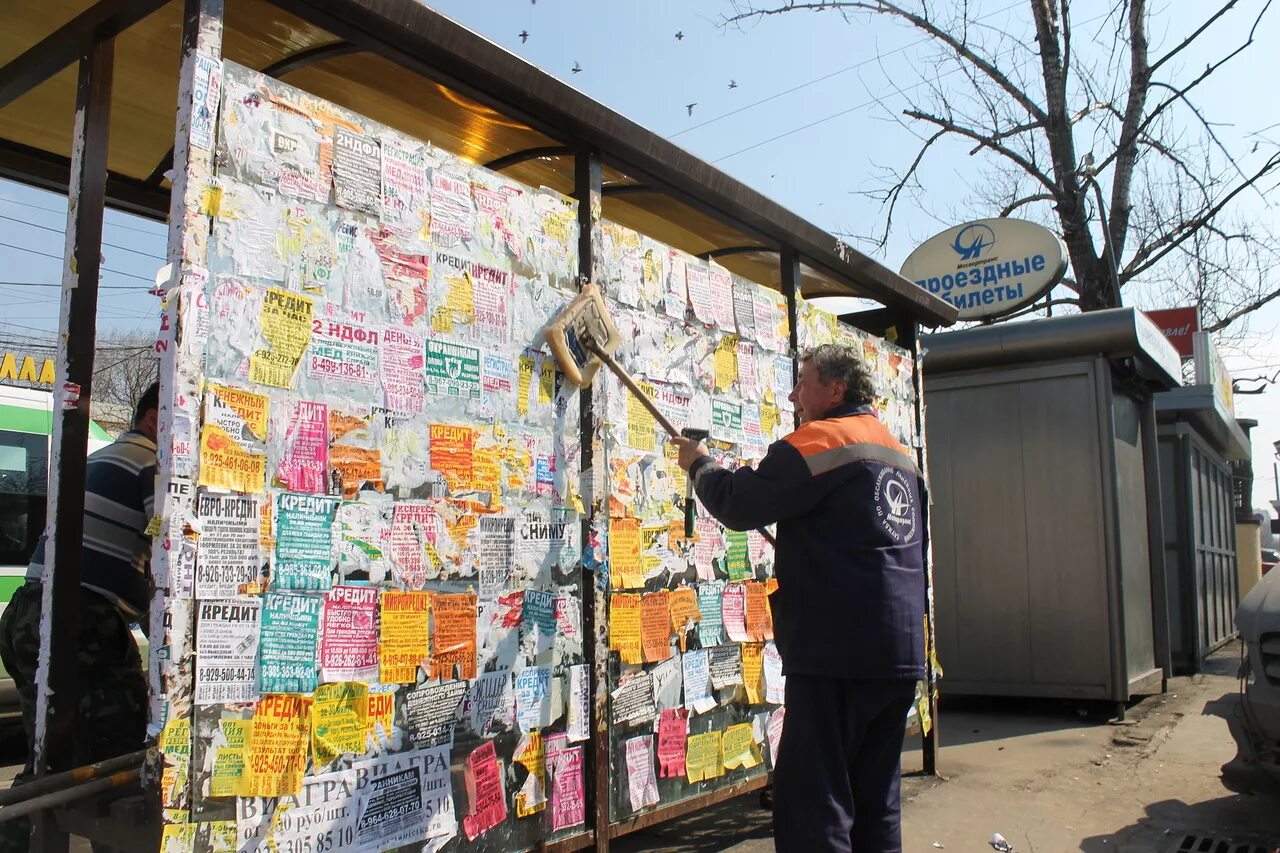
column 973, row 240
column 895, row 506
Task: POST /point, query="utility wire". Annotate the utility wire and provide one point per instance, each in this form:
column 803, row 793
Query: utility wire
column 861, row 106
column 59, row 258
column 137, row 290
column 6, row 200
column 64, row 234
column 869, row 61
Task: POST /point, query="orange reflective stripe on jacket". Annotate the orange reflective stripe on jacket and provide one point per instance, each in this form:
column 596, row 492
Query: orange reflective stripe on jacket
column 831, row 443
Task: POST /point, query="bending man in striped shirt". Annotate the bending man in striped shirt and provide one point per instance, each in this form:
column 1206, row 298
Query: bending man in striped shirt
column 115, row 573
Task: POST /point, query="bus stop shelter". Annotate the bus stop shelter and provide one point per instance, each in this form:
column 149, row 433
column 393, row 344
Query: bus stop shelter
column 116, row 104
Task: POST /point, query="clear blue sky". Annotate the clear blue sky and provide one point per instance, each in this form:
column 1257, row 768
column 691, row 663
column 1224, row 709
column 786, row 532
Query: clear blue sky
column 829, row 92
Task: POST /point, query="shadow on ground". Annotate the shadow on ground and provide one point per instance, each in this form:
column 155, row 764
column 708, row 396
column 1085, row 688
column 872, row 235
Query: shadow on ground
column 1244, row 819
column 1172, row 825
column 715, row 828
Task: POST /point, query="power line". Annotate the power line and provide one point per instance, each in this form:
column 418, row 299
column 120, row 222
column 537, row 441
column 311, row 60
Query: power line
column 5, row 200
column 137, row 290
column 59, row 258
column 877, row 58
column 865, row 104
column 64, row 234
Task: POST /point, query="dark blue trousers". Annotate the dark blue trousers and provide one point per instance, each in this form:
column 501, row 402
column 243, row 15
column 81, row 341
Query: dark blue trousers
column 836, row 783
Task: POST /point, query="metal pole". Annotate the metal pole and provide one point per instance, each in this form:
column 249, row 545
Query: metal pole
column 790, row 267
column 58, row 781
column 588, row 189
column 1156, row 540
column 46, row 802
column 57, row 675
column 190, row 224
column 929, row 740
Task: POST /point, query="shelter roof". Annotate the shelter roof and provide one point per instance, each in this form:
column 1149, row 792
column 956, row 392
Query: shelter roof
column 407, row 66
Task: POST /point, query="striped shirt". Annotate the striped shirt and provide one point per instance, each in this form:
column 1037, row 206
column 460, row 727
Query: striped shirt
column 118, row 502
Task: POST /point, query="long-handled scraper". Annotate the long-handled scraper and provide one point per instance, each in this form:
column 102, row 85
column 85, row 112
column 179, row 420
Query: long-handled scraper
column 582, row 337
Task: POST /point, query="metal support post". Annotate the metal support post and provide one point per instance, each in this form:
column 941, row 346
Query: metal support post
column 195, row 133
column 909, row 339
column 790, row 267
column 588, row 190
column 1156, row 541
column 58, row 673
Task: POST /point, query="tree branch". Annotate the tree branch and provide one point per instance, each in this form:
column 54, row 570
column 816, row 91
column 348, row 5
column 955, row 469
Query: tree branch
column 1199, row 31
column 984, row 141
column 1151, row 253
column 988, row 68
column 1253, row 305
column 1040, row 306
column 1014, row 205
column 891, row 197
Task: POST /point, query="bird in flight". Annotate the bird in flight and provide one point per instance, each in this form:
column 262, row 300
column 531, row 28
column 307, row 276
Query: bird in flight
column 576, row 67
column 679, row 35
column 690, row 107
column 733, row 84
column 524, row 36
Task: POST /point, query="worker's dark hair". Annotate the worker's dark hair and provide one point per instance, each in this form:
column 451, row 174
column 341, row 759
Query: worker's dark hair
column 149, row 400
column 837, row 363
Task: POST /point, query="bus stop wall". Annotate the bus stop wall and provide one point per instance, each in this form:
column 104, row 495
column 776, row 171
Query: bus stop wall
column 410, row 587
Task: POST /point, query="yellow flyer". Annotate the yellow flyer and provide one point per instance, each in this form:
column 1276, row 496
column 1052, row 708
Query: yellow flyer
column 547, row 381
column 223, row 837
column 178, row 837
column 726, row 361
column 278, row 748
column 740, row 747
column 684, row 612
column 753, row 672
column 531, row 754
column 381, row 715
column 640, row 422
column 232, row 450
column 175, row 738
column 223, row 465
column 236, row 411
column 338, row 720
column 624, row 627
column 702, row 758
column 524, row 381
column 404, row 635
column 625, row 569
column 229, row 764
column 286, row 325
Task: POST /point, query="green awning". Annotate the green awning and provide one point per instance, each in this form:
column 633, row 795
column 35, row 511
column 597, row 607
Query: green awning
column 38, row 422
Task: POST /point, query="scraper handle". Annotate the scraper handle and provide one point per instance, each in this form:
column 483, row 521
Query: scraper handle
column 690, row 507
column 621, row 373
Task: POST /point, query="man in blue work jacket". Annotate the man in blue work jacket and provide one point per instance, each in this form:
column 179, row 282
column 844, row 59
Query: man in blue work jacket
column 848, row 614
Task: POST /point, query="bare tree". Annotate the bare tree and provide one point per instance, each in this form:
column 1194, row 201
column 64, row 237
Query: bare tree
column 124, row 365
column 1095, row 136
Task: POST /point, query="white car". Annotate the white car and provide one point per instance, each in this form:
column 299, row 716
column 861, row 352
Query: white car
column 1258, row 620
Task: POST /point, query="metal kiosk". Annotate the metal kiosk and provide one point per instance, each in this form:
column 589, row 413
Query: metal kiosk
column 1199, row 440
column 1046, row 534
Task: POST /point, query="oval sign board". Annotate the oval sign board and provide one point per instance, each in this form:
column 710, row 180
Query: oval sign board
column 989, row 267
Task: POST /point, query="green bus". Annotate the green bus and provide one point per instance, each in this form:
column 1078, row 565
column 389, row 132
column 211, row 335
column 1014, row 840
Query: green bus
column 26, row 421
